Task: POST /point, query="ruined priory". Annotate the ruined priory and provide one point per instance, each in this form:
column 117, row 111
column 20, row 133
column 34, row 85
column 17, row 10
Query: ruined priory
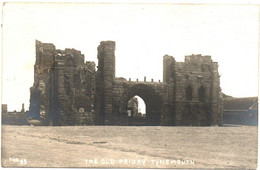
column 69, row 91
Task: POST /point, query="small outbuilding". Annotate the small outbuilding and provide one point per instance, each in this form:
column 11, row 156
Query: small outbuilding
column 242, row 111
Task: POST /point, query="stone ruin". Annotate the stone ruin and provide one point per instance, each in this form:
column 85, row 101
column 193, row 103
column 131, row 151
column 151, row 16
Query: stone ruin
column 69, row 91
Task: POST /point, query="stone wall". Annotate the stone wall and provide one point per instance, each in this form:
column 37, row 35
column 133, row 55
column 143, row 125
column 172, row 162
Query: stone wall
column 152, row 93
column 67, row 91
column 63, row 84
column 197, row 91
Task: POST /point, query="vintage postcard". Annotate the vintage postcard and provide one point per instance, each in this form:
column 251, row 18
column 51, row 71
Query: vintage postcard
column 129, row 85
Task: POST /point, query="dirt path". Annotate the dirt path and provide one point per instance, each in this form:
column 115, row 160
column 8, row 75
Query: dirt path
column 129, row 147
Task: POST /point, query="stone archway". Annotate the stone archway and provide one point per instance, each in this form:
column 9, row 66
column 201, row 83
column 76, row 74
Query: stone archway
column 151, row 98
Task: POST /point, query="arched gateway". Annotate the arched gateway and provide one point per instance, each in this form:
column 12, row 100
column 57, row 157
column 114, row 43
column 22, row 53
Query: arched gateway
column 151, row 98
column 69, row 91
column 165, row 101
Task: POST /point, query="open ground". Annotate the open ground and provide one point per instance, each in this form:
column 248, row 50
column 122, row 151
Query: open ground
column 129, row 146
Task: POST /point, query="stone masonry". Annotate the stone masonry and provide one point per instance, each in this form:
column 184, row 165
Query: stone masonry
column 69, row 91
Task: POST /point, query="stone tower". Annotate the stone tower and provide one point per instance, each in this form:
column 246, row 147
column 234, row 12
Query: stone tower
column 105, row 78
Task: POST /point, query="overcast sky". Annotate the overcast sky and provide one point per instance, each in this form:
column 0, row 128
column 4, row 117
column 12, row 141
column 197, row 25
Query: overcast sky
column 144, row 33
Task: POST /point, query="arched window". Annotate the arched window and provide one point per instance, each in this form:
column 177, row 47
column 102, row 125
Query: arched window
column 201, row 93
column 188, row 93
column 70, row 65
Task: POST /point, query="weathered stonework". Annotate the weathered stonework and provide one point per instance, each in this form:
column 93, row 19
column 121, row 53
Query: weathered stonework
column 67, row 91
column 64, row 86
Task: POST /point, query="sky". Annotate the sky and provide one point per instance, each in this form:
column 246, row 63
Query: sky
column 143, row 33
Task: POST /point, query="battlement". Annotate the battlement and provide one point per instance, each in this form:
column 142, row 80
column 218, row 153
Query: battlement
column 113, row 43
column 45, row 45
column 198, row 58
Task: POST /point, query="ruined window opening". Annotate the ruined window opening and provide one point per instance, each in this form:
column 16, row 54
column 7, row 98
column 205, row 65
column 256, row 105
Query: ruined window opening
column 76, row 80
column 69, row 66
column 88, row 81
column 201, row 93
column 188, row 93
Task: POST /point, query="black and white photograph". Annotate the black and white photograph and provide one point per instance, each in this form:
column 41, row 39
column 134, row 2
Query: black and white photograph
column 129, row 85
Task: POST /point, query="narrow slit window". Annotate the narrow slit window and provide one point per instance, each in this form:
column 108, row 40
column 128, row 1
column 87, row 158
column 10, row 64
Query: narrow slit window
column 188, row 93
column 201, row 93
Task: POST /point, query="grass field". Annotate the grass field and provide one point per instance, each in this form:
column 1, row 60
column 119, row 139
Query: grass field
column 129, row 147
